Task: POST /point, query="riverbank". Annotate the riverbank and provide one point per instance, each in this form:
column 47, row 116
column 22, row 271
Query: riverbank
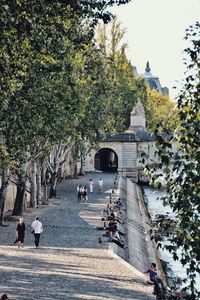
column 155, row 205
column 141, row 249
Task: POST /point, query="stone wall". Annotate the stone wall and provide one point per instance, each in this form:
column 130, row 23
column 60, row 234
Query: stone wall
column 141, row 250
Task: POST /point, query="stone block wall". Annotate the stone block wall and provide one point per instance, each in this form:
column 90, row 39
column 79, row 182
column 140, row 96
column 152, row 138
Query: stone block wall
column 140, row 248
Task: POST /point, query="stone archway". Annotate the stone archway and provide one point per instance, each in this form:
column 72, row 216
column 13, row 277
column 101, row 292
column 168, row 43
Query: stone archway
column 106, row 160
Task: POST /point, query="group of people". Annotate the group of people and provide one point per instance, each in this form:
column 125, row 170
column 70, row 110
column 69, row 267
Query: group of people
column 82, row 193
column 82, row 190
column 159, row 288
column 112, row 216
column 37, row 229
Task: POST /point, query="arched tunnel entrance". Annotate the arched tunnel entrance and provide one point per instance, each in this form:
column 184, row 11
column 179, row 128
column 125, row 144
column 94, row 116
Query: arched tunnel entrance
column 106, row 160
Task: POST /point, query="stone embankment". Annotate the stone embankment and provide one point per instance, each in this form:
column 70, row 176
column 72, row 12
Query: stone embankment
column 141, row 250
column 70, row 263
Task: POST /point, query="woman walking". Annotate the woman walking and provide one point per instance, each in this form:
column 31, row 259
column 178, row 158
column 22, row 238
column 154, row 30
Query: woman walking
column 20, row 233
column 79, row 193
column 91, row 186
column 85, row 194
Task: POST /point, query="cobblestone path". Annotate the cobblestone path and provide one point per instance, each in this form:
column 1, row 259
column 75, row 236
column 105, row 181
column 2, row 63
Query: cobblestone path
column 70, row 264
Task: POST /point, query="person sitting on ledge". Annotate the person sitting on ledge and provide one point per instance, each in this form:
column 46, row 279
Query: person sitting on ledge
column 112, row 196
column 119, row 204
column 114, row 228
column 111, row 217
column 115, row 238
column 152, row 273
column 106, row 212
column 116, row 218
column 177, row 289
column 118, row 201
column 112, row 225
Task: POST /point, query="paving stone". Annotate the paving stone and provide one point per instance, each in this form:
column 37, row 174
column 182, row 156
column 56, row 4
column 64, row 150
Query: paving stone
column 70, row 264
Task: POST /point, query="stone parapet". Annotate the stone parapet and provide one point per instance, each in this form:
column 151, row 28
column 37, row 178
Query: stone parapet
column 141, row 250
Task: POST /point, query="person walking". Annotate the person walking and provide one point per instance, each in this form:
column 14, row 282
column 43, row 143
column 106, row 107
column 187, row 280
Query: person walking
column 100, row 184
column 85, row 194
column 79, row 193
column 91, row 186
column 37, row 229
column 20, row 233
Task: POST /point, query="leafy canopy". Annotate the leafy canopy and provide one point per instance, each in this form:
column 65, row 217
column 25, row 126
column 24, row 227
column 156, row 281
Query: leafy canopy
column 183, row 189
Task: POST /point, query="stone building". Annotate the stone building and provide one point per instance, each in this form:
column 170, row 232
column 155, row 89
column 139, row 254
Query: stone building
column 122, row 152
column 154, row 81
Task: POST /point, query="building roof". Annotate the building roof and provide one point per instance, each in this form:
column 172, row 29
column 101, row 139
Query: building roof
column 140, row 136
column 154, row 81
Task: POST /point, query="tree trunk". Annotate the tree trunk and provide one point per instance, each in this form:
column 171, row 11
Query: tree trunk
column 39, row 187
column 82, row 168
column 33, row 200
column 3, row 193
column 44, row 184
column 18, row 206
column 54, row 177
column 75, row 170
column 45, row 194
column 54, row 180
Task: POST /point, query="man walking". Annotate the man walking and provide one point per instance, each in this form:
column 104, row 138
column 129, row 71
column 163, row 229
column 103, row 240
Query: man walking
column 37, row 230
column 100, row 184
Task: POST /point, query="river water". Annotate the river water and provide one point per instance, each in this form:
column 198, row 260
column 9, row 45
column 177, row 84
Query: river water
column 155, row 206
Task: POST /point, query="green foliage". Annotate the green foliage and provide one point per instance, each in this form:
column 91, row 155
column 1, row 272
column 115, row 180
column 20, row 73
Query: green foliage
column 183, row 189
column 160, row 109
column 51, row 75
column 38, row 102
column 48, row 68
column 122, row 88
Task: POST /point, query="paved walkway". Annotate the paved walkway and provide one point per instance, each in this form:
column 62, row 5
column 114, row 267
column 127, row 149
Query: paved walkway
column 70, row 264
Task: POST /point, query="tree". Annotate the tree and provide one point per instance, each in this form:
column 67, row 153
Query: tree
column 107, row 87
column 57, row 157
column 123, row 88
column 39, row 42
column 160, row 109
column 183, row 188
column 5, row 162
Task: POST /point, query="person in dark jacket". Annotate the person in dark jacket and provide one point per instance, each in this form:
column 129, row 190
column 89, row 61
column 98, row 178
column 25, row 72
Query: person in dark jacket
column 20, row 233
column 85, row 194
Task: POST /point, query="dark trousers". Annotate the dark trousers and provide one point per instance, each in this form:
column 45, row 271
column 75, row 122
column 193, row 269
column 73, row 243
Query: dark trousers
column 118, row 243
column 79, row 197
column 37, row 239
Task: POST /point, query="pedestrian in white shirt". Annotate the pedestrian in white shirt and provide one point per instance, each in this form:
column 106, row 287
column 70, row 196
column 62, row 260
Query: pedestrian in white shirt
column 37, row 229
column 100, row 184
column 91, row 186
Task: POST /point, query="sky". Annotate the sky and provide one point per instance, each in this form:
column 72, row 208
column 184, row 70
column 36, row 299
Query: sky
column 155, row 32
